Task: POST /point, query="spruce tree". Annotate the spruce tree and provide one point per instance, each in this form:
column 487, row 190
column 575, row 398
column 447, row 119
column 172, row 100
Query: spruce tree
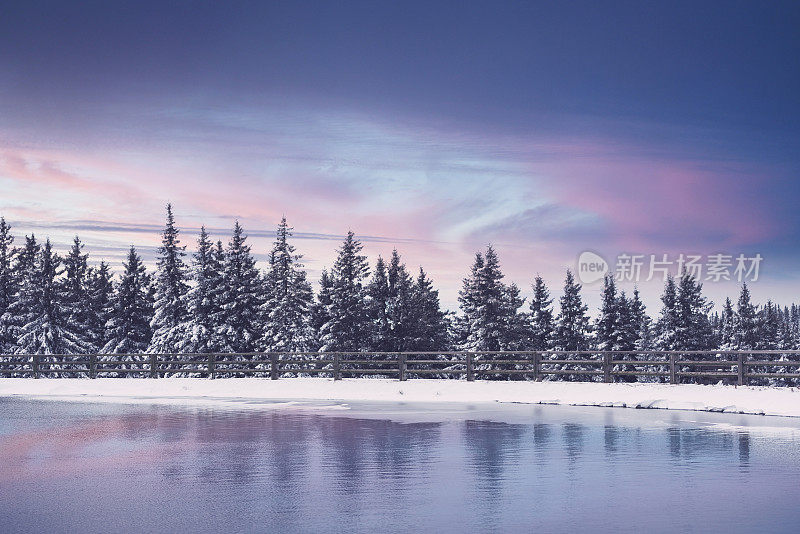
column 242, row 296
column 201, row 329
column 541, row 314
column 8, row 287
column 429, row 324
column 378, row 308
column 170, row 291
column 572, row 324
column 287, row 310
column 727, row 327
column 490, row 308
column 606, row 329
column 25, row 276
column 319, row 310
column 667, row 324
column 399, row 304
column 79, row 308
column 693, row 330
column 768, row 327
column 47, row 329
column 128, row 328
column 644, row 339
column 347, row 327
column 100, row 293
column 746, row 327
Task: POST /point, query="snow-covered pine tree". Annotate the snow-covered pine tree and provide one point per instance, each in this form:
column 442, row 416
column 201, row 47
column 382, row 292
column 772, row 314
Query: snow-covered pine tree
column 727, row 327
column 490, row 308
column 667, row 324
column 101, row 293
column 128, row 328
column 378, row 308
column 606, row 328
column 47, row 329
column 541, row 314
column 786, row 335
column 399, row 304
column 319, row 310
column 170, row 290
column 242, row 296
column 746, row 328
column 643, row 322
column 8, row 287
column 80, row 311
column 768, row 326
column 201, row 330
column 25, row 276
column 429, row 323
column 287, row 310
column 572, row 324
column 626, row 328
column 347, row 327
column 693, row 330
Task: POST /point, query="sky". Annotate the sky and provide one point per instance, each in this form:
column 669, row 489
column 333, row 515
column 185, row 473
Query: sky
column 543, row 128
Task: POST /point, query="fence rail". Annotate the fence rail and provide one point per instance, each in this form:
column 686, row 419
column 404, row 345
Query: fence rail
column 776, row 367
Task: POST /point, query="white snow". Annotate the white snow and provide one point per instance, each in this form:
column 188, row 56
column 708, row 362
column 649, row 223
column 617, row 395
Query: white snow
column 715, row 398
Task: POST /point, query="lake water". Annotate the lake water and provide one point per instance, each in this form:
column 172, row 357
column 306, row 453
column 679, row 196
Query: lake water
column 332, row 467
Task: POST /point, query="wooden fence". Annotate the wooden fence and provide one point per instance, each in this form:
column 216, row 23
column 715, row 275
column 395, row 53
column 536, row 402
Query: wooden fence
column 674, row 367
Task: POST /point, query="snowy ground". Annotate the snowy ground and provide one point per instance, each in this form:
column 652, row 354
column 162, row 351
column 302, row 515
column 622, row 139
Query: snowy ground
column 718, row 398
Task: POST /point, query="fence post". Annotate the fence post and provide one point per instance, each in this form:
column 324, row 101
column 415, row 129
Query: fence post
column 93, row 366
column 273, row 366
column 470, row 370
column 337, row 367
column 673, row 378
column 211, row 370
column 536, row 358
column 35, row 366
column 740, row 368
column 154, row 366
column 606, row 367
column 402, row 366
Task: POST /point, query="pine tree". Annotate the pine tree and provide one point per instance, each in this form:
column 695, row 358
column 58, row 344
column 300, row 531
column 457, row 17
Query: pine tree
column 80, row 310
column 768, row 327
column 25, row 275
column 320, row 308
column 287, row 309
column 8, row 287
column 572, row 324
column 727, row 327
column 542, row 327
column 429, row 323
column 746, row 328
column 667, row 324
column 693, row 330
column 128, row 328
column 606, row 329
column 47, row 329
column 241, row 299
column 491, row 320
column 399, row 304
column 170, row 291
column 201, row 329
column 644, row 339
column 347, row 327
column 100, row 292
column 377, row 307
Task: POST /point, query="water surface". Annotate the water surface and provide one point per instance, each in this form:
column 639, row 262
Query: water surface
column 333, row 467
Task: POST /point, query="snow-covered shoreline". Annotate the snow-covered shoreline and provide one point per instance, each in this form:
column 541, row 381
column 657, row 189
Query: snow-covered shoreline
column 714, row 398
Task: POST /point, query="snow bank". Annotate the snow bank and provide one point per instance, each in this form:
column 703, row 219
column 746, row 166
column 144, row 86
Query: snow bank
column 716, row 398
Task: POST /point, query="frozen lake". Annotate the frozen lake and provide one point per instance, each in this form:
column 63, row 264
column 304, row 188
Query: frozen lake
column 335, row 467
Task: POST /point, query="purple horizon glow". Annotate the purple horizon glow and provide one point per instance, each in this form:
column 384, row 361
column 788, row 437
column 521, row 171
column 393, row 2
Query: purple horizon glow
column 629, row 129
